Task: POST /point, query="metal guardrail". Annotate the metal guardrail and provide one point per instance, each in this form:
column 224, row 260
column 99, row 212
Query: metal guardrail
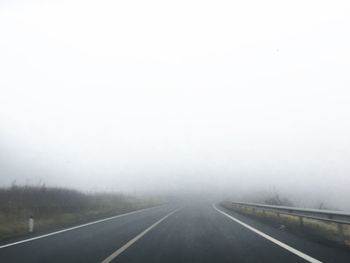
column 325, row 215
column 341, row 219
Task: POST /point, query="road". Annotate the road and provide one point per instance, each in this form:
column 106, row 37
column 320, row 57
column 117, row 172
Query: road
column 186, row 233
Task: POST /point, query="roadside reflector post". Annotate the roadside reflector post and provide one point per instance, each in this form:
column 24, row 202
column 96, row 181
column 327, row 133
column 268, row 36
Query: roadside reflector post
column 31, row 224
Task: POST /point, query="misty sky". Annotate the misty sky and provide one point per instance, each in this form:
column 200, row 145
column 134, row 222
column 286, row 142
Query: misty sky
column 176, row 95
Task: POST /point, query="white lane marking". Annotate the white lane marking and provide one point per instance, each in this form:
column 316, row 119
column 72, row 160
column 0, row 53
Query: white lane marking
column 75, row 227
column 132, row 241
column 277, row 242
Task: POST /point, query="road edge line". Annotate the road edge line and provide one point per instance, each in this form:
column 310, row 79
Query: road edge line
column 74, row 227
column 273, row 240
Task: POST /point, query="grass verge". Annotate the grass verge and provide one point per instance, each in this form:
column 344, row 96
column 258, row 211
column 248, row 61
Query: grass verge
column 57, row 208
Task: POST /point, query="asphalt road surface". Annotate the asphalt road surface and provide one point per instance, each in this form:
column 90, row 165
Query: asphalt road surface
column 190, row 233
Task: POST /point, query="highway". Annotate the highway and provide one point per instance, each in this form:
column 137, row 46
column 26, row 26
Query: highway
column 198, row 232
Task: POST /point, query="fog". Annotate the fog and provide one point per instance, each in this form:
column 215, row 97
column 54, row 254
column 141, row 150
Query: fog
column 186, row 97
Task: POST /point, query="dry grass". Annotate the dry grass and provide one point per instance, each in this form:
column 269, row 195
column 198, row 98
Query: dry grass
column 54, row 208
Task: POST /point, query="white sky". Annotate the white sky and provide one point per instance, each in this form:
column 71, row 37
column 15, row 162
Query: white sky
column 176, row 95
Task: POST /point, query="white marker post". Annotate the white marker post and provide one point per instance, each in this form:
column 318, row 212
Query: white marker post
column 31, row 224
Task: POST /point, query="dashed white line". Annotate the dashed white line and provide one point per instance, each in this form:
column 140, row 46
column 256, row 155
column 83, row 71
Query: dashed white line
column 72, row 228
column 132, row 241
column 277, row 242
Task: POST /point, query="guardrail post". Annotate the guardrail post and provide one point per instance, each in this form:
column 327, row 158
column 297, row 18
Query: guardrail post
column 341, row 232
column 31, row 224
column 301, row 221
column 279, row 217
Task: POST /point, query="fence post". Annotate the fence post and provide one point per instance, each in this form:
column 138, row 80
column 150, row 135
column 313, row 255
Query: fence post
column 31, row 224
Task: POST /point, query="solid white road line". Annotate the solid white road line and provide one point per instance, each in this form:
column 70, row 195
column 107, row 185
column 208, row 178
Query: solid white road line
column 132, row 241
column 72, row 228
column 277, row 242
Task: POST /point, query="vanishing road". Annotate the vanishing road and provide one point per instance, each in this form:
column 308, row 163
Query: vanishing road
column 191, row 233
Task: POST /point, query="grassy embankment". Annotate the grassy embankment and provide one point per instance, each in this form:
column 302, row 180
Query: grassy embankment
column 55, row 208
column 319, row 229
